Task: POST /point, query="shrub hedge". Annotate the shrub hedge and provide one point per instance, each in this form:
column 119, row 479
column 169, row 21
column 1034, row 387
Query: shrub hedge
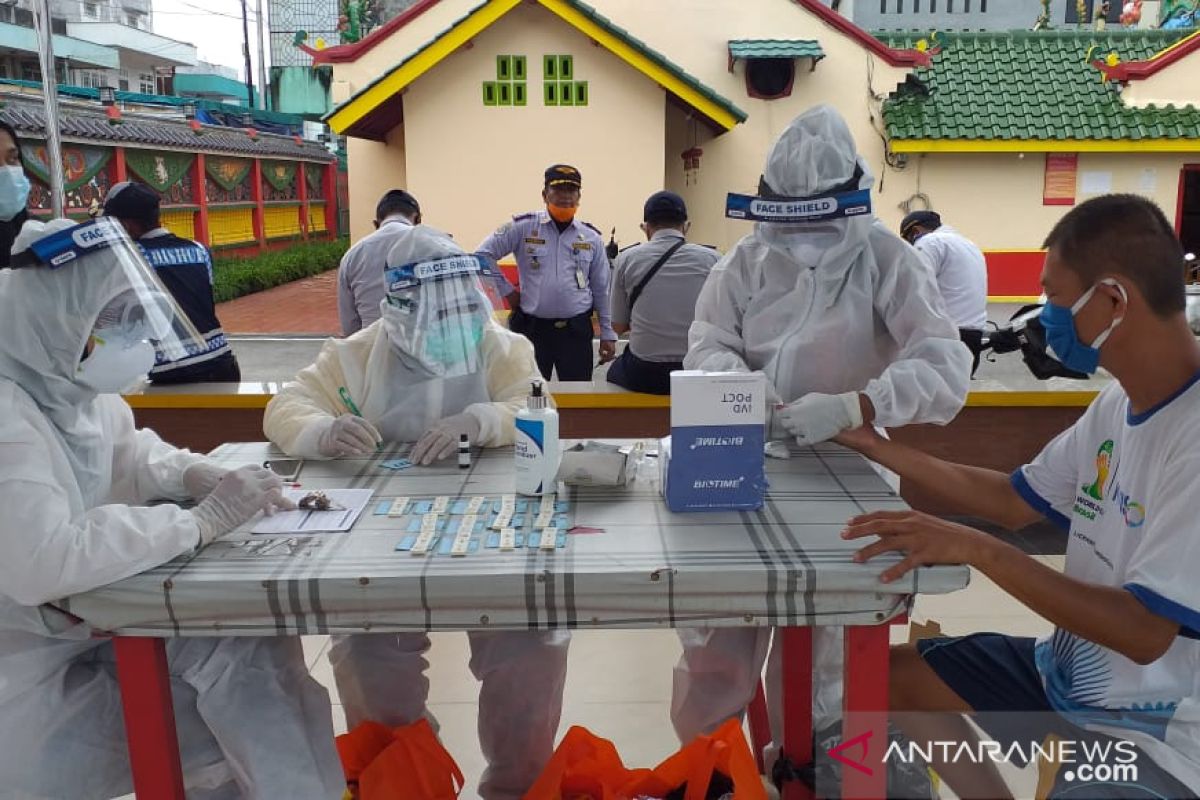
column 235, row 276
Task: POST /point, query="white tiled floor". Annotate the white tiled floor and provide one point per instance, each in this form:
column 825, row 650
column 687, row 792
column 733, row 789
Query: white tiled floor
column 619, row 682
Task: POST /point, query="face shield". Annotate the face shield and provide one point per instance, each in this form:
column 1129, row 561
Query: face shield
column 137, row 315
column 436, row 312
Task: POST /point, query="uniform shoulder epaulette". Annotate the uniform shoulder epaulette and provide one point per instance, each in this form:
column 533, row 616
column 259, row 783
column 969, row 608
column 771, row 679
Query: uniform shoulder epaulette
column 630, row 247
column 593, row 227
column 524, row 216
column 710, row 247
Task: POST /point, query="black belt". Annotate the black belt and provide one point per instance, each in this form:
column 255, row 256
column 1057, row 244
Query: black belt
column 558, row 323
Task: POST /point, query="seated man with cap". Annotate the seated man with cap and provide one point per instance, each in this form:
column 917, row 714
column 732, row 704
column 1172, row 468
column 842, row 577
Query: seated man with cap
column 563, row 279
column 661, row 279
column 186, row 270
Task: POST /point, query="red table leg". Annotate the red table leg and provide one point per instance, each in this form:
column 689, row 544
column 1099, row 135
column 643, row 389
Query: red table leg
column 797, row 704
column 866, row 702
column 760, row 726
column 149, row 717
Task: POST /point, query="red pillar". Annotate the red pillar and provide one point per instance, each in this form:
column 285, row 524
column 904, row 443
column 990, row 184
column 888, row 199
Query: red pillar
column 120, row 171
column 331, row 196
column 302, row 177
column 200, row 198
column 256, row 175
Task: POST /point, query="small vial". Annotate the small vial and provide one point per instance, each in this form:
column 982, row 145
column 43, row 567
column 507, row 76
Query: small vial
column 464, row 452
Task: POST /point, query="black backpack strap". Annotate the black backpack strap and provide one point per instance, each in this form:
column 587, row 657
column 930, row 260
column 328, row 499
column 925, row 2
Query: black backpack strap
column 637, row 290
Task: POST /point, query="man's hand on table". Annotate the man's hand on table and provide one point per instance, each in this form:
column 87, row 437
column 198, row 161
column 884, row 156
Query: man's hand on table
column 923, row 539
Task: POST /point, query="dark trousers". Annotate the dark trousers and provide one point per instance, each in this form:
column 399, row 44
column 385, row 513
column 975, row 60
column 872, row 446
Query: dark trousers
column 973, row 339
column 638, row 375
column 564, row 345
column 223, row 369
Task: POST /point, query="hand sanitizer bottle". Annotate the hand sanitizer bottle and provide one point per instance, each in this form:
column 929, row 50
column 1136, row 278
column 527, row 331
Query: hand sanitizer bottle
column 537, row 446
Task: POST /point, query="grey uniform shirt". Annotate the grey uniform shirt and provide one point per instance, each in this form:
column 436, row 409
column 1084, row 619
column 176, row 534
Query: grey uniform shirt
column 658, row 329
column 360, row 276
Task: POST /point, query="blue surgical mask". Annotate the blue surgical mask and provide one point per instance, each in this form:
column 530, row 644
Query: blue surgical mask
column 454, row 343
column 1062, row 338
column 14, row 192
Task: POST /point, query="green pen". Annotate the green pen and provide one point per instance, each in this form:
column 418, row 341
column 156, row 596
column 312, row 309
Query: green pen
column 344, row 393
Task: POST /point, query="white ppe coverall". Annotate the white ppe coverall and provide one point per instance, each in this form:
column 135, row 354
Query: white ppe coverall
column 75, row 476
column 834, row 306
column 399, row 387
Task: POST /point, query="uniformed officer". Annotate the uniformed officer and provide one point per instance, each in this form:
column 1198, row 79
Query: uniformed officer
column 185, row 268
column 564, row 278
column 654, row 291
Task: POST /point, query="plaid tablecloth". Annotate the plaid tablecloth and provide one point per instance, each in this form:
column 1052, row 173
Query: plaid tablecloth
column 645, row 567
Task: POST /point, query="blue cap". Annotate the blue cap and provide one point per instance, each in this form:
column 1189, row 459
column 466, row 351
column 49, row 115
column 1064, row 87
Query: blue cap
column 665, row 207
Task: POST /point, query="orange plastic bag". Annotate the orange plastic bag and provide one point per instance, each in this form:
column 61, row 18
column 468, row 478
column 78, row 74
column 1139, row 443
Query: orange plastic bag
column 724, row 751
column 583, row 767
column 407, row 763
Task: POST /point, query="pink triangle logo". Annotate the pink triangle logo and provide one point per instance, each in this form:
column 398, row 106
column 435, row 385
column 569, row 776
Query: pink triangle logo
column 861, row 743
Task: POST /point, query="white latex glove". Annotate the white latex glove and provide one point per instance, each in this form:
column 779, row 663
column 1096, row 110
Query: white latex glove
column 441, row 440
column 816, row 418
column 348, row 435
column 237, row 497
column 201, row 478
column 777, row 448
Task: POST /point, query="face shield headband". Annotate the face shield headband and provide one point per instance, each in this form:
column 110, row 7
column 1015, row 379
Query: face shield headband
column 103, row 244
column 840, row 202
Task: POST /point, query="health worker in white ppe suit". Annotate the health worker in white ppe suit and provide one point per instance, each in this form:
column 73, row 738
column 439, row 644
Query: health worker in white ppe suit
column 849, row 327
column 75, row 480
column 435, row 366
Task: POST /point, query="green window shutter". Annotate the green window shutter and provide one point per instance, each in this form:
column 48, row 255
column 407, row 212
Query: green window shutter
column 551, row 95
column 581, row 93
column 550, row 68
column 518, row 68
column 505, row 94
column 504, row 68
column 566, row 68
column 566, row 95
column 519, row 98
column 489, row 93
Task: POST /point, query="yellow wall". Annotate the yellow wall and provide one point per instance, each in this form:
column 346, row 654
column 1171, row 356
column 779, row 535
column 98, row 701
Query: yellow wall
column 316, row 218
column 372, row 169
column 995, row 199
column 179, row 221
column 281, row 221
column 473, row 166
column 623, row 151
column 230, row 225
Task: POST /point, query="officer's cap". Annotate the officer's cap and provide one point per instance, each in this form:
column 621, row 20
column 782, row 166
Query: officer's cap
column 563, row 175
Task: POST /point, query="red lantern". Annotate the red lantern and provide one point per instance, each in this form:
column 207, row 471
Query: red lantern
column 691, row 164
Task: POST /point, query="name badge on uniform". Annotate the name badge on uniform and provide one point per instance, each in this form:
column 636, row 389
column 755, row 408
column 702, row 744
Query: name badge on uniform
column 582, row 245
column 534, row 240
column 580, row 278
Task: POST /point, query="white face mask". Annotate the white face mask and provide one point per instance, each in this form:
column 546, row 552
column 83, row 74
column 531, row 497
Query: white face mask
column 14, row 191
column 115, row 362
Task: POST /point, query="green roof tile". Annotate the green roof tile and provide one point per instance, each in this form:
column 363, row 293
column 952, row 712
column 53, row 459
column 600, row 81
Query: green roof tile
column 775, row 48
column 1026, row 85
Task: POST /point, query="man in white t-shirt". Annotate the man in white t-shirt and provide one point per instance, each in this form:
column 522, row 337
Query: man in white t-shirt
column 960, row 270
column 1122, row 664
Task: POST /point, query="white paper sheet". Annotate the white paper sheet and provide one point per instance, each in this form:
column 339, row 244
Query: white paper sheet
column 353, row 501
